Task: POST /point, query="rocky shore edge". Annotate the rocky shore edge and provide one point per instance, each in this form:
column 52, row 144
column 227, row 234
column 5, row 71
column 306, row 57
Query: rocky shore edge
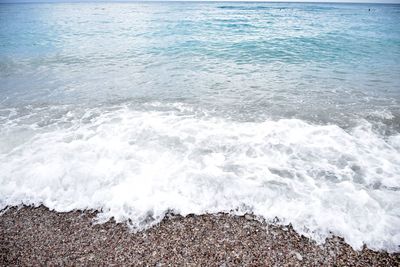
column 38, row 236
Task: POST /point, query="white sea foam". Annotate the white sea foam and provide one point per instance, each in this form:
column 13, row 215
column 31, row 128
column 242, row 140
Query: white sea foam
column 137, row 165
column 382, row 114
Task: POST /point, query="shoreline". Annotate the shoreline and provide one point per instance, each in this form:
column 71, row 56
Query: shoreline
column 33, row 236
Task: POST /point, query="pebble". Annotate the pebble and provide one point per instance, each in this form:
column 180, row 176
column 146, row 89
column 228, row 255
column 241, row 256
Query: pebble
column 248, row 217
column 298, row 256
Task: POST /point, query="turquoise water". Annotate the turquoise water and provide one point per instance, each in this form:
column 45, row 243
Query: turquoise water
column 246, row 60
column 287, row 110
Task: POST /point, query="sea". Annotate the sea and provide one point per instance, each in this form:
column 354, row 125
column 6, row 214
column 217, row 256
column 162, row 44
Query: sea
column 288, row 111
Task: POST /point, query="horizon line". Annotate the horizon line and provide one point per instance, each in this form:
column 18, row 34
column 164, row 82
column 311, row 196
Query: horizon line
column 199, row 1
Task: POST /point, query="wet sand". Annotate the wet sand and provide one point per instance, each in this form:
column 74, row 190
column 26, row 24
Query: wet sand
column 37, row 236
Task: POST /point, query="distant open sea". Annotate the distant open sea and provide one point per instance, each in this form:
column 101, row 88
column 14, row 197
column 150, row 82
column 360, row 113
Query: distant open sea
column 290, row 111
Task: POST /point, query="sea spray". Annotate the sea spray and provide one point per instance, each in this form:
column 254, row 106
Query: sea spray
column 135, row 165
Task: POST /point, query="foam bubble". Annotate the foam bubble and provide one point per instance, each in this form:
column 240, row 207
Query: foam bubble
column 137, row 165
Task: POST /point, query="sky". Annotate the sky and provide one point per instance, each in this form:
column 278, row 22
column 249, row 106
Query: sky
column 321, row 1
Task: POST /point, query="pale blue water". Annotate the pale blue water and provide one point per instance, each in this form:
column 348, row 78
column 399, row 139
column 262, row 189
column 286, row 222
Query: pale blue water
column 291, row 109
column 244, row 60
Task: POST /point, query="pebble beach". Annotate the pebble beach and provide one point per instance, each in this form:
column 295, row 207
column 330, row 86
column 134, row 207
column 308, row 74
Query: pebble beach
column 38, row 236
column 271, row 131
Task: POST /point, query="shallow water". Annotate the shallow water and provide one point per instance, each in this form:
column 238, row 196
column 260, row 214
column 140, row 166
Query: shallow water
column 284, row 110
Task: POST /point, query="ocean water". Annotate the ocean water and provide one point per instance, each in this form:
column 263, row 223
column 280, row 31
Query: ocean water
column 288, row 111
